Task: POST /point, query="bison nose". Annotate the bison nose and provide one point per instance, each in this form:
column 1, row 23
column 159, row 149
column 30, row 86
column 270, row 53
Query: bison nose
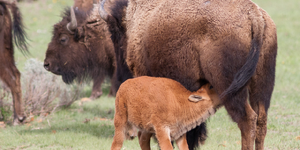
column 46, row 66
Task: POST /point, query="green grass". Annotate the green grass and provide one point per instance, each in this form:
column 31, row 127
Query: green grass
column 66, row 128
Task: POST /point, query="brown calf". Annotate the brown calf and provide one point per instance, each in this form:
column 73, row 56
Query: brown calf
column 161, row 106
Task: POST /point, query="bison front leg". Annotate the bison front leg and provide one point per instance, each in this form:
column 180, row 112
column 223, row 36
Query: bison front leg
column 11, row 76
column 97, row 89
column 115, row 84
column 247, row 125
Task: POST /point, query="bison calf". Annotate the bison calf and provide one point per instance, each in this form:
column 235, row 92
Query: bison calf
column 161, row 106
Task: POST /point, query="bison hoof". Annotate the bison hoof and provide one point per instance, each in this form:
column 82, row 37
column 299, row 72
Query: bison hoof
column 96, row 95
column 21, row 119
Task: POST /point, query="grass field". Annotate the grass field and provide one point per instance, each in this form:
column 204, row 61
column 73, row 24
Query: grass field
column 90, row 126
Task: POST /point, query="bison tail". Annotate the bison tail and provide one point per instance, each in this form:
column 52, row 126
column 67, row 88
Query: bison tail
column 248, row 69
column 19, row 33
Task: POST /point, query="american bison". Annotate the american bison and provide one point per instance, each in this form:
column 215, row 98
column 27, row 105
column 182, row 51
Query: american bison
column 12, row 31
column 161, row 106
column 230, row 44
column 80, row 47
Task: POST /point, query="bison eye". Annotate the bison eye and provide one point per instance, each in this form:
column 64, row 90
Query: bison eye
column 211, row 87
column 64, row 39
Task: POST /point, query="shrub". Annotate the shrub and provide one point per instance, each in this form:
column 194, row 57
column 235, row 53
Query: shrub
column 43, row 92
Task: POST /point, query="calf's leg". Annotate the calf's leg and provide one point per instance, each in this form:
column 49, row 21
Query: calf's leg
column 163, row 137
column 182, row 143
column 120, row 128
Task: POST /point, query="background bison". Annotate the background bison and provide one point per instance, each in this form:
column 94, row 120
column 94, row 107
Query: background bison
column 80, row 47
column 9, row 73
column 232, row 45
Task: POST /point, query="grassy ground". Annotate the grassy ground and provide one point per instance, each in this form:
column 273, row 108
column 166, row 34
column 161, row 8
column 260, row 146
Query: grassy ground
column 70, row 129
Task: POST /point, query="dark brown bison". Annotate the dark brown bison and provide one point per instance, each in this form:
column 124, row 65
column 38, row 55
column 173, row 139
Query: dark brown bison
column 230, row 44
column 80, row 47
column 9, row 73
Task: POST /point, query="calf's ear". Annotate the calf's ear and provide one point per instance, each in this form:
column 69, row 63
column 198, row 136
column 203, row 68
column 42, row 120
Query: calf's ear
column 195, row 98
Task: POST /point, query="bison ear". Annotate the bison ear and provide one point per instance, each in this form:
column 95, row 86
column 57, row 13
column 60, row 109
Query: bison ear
column 195, row 98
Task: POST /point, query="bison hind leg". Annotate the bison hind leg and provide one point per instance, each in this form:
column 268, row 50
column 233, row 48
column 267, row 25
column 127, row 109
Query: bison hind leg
column 12, row 79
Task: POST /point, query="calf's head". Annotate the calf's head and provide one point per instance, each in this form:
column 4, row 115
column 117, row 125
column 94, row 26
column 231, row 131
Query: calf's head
column 207, row 92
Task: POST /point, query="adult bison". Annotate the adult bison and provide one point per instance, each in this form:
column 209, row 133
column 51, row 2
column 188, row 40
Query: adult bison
column 80, row 47
column 230, row 44
column 9, row 73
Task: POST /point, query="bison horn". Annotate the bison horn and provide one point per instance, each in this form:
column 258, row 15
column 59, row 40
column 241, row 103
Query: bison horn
column 71, row 26
column 102, row 12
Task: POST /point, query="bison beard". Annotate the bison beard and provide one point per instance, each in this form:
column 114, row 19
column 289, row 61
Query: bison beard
column 68, row 77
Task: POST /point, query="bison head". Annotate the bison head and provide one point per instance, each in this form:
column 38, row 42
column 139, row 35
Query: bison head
column 67, row 53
